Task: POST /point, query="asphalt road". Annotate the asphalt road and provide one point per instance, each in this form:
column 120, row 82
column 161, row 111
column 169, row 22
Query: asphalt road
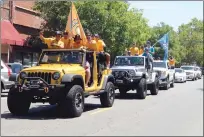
column 178, row 111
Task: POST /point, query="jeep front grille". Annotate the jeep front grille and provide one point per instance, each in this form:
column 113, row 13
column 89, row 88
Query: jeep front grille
column 44, row 75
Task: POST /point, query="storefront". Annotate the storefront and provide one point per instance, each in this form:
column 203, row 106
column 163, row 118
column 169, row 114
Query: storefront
column 9, row 38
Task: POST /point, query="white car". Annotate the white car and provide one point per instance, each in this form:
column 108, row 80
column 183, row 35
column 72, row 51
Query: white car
column 198, row 72
column 166, row 74
column 180, row 75
column 190, row 72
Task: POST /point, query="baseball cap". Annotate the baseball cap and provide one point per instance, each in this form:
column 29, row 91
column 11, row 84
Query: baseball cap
column 58, row 33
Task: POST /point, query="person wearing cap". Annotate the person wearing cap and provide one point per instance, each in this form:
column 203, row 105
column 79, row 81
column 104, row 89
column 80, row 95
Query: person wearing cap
column 67, row 41
column 100, row 48
column 53, row 42
column 172, row 61
column 151, row 48
column 134, row 50
column 90, row 44
column 77, row 42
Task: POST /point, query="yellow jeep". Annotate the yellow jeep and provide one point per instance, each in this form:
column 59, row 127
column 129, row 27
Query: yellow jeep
column 59, row 78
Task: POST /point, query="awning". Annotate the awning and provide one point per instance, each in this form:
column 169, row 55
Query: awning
column 9, row 35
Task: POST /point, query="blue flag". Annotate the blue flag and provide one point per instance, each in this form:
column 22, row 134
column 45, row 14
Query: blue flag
column 164, row 41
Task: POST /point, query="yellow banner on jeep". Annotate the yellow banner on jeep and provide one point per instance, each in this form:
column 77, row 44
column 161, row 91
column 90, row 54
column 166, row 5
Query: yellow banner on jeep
column 74, row 25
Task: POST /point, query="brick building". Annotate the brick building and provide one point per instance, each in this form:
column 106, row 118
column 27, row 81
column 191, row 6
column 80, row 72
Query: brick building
column 26, row 21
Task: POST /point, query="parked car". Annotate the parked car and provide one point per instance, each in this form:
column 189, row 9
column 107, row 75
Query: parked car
column 180, row 75
column 198, row 72
column 202, row 69
column 15, row 67
column 167, row 75
column 5, row 74
column 190, row 72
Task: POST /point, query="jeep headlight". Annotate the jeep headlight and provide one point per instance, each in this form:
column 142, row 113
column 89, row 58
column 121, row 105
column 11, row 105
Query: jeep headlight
column 56, row 75
column 164, row 73
column 23, row 75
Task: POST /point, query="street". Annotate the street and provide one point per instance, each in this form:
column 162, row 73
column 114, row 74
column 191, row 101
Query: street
column 178, row 111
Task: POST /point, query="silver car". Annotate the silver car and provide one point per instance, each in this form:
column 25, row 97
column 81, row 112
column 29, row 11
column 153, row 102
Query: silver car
column 5, row 74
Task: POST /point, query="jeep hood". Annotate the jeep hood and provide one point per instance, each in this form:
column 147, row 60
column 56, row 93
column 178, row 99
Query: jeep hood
column 159, row 69
column 55, row 67
column 126, row 67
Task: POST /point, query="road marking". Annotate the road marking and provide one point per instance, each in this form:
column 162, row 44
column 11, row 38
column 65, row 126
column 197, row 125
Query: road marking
column 101, row 110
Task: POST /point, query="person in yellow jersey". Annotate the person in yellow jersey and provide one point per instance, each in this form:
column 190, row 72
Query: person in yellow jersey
column 172, row 62
column 141, row 51
column 134, row 50
column 77, row 43
column 67, row 41
column 53, row 42
column 90, row 44
column 100, row 48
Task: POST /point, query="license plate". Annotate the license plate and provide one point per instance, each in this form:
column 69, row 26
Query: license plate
column 119, row 81
column 34, row 82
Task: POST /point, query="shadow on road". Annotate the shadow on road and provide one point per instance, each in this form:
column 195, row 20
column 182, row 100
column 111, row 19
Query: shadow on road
column 46, row 112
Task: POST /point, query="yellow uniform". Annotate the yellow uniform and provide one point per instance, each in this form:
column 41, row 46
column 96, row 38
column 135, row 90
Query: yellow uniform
column 141, row 51
column 92, row 45
column 134, row 50
column 172, row 62
column 100, row 45
column 53, row 43
column 67, row 42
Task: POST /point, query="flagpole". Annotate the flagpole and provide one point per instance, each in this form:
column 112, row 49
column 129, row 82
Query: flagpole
column 71, row 21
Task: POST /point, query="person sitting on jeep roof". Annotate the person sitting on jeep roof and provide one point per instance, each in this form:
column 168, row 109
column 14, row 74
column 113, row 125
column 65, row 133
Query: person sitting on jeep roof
column 91, row 44
column 53, row 42
column 171, row 62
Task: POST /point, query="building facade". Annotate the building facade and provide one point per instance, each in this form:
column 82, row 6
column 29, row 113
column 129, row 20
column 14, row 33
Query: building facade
column 27, row 22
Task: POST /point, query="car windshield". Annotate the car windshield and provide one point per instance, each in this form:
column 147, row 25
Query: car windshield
column 160, row 64
column 188, row 68
column 130, row 61
column 178, row 70
column 61, row 57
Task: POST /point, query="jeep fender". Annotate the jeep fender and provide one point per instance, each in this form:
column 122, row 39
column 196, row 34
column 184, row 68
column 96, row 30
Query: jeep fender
column 108, row 78
column 154, row 75
column 13, row 77
column 69, row 78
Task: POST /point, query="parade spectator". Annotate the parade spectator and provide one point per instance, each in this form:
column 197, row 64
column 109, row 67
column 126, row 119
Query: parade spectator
column 134, row 50
column 53, row 42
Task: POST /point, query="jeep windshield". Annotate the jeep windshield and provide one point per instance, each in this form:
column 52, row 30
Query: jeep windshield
column 159, row 64
column 129, row 61
column 61, row 57
column 187, row 68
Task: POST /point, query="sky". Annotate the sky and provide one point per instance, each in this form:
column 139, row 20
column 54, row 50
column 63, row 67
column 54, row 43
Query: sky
column 174, row 13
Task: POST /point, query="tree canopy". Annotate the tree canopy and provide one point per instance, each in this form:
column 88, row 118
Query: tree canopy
column 120, row 26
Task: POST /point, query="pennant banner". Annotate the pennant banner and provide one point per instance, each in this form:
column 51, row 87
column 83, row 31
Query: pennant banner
column 74, row 25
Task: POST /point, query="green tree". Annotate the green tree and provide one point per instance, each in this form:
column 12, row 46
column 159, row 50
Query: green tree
column 118, row 25
column 191, row 39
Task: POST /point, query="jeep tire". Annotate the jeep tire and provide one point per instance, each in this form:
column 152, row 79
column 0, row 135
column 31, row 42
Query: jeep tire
column 154, row 87
column 18, row 102
column 142, row 89
column 166, row 87
column 107, row 98
column 123, row 91
column 73, row 104
column 172, row 84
